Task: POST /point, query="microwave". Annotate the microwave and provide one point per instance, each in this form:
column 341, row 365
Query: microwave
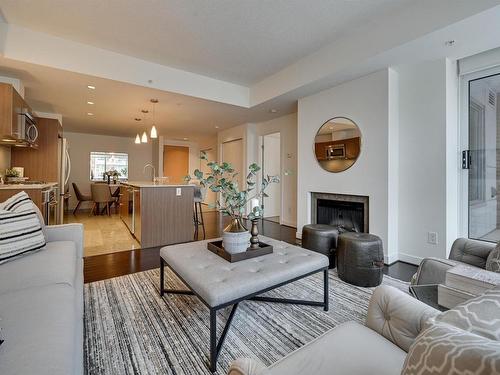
column 335, row 151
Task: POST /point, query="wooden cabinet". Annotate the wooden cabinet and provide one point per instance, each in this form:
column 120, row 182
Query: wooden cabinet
column 34, row 194
column 41, row 164
column 11, row 105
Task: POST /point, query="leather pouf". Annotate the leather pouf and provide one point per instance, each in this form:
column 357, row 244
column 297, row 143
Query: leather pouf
column 322, row 239
column 360, row 259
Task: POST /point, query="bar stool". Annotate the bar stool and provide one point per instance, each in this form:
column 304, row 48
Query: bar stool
column 199, row 196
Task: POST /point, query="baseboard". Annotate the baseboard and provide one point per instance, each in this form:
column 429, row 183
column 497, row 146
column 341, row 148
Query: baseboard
column 410, row 259
column 288, row 224
column 391, row 258
column 298, row 235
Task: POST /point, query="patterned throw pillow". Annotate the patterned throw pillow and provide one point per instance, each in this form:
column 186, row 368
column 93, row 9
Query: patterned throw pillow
column 493, row 261
column 463, row 340
column 20, row 229
column 479, row 315
column 445, row 349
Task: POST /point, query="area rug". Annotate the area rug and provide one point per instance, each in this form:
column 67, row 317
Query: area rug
column 130, row 329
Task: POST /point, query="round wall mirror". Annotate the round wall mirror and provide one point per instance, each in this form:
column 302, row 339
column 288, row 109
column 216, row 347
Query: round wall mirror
column 337, row 144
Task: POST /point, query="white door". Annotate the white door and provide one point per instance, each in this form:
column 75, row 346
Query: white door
column 271, row 166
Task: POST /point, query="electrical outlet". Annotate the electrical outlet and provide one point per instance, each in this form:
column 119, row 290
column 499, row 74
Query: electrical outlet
column 178, row 192
column 432, row 238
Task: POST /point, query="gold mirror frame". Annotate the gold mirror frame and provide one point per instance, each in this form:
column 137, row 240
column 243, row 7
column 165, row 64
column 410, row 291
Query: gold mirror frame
column 337, row 144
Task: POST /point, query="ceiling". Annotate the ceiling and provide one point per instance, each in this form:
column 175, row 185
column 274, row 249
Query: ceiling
column 117, row 104
column 234, row 40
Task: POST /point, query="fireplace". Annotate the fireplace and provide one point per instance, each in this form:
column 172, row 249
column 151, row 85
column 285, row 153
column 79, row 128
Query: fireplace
column 341, row 210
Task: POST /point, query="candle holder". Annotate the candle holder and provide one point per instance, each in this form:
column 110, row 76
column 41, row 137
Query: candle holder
column 254, row 231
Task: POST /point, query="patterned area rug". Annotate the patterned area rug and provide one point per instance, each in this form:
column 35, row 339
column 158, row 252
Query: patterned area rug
column 129, row 329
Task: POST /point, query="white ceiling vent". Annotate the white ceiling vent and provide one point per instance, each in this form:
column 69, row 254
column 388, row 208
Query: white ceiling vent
column 491, row 98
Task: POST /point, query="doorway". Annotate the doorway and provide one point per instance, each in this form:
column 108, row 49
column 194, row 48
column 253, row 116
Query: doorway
column 271, row 166
column 175, row 163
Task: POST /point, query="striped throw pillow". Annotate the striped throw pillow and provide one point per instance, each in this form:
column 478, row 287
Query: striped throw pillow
column 17, row 203
column 20, row 229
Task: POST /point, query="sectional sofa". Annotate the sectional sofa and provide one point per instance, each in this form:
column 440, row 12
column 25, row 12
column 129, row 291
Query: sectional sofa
column 41, row 307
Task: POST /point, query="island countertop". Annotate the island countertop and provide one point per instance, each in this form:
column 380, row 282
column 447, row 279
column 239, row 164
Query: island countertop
column 151, row 184
column 40, row 186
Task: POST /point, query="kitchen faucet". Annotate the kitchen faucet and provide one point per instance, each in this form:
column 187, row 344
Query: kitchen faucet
column 150, row 166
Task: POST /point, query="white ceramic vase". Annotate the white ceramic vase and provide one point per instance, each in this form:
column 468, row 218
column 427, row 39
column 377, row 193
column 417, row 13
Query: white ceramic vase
column 236, row 238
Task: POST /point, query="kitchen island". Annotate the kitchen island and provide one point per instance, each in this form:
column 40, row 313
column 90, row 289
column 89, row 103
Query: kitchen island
column 157, row 214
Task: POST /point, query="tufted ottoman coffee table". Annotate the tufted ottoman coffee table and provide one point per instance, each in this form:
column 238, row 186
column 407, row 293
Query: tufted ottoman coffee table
column 219, row 283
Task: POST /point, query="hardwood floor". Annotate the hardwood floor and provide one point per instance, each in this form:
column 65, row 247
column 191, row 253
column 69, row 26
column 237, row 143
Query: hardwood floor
column 100, row 267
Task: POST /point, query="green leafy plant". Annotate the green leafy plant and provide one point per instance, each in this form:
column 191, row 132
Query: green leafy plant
column 222, row 179
column 11, row 173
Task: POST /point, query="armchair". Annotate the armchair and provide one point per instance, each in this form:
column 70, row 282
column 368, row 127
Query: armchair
column 463, row 250
column 379, row 347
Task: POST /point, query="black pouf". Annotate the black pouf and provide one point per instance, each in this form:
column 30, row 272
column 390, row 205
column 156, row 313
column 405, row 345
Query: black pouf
column 322, row 239
column 360, row 259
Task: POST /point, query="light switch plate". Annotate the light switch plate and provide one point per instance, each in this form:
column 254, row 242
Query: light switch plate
column 432, row 238
column 178, row 192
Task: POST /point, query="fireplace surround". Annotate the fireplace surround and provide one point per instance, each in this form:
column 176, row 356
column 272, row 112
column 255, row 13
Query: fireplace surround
column 342, row 210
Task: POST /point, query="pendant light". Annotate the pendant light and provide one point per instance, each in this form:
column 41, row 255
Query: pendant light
column 144, row 138
column 137, row 139
column 154, row 133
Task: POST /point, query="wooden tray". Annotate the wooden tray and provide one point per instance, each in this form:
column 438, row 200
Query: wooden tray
column 217, row 248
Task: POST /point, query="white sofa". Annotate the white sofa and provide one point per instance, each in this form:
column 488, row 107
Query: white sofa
column 41, row 307
column 379, row 347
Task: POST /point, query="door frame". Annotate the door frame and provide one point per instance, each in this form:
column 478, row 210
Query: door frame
column 262, row 161
column 463, row 131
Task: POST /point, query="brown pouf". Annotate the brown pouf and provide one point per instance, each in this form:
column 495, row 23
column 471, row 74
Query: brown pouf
column 360, row 259
column 321, row 238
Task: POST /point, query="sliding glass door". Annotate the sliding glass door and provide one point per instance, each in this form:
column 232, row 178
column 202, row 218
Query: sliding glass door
column 481, row 159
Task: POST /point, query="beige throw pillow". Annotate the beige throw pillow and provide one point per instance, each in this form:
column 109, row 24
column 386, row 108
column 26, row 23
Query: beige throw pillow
column 463, row 340
column 493, row 260
column 445, row 349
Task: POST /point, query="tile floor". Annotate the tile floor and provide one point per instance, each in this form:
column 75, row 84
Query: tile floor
column 103, row 234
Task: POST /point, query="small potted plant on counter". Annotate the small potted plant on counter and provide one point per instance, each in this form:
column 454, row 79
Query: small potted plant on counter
column 12, row 175
column 223, row 179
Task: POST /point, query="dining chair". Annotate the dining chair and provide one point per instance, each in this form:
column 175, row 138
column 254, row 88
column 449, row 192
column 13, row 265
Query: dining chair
column 80, row 197
column 101, row 194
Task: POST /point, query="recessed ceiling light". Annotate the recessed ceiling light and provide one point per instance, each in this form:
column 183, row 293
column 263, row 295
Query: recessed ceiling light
column 91, row 103
column 273, row 110
column 90, row 114
column 185, row 138
column 91, row 87
column 216, row 127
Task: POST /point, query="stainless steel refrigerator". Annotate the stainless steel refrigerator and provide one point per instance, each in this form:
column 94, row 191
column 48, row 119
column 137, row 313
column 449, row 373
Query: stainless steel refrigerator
column 64, row 163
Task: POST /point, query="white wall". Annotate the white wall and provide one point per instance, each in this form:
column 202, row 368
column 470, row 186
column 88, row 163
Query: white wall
column 271, row 166
column 428, row 158
column 367, row 102
column 80, row 146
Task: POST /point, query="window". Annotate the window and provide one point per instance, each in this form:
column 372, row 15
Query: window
column 102, row 162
